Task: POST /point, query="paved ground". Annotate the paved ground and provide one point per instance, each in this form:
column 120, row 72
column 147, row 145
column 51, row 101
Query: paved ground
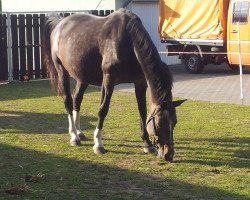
column 216, row 84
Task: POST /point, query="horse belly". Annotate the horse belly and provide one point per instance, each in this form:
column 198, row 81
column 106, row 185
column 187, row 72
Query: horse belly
column 127, row 73
column 90, row 73
column 94, row 75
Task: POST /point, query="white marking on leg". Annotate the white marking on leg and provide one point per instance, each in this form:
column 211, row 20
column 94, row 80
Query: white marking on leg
column 76, row 117
column 98, row 138
column 72, row 129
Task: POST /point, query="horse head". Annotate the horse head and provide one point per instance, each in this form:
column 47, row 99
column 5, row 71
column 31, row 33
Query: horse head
column 160, row 125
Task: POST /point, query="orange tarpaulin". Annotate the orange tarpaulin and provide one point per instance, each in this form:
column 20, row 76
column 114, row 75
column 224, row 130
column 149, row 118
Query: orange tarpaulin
column 193, row 19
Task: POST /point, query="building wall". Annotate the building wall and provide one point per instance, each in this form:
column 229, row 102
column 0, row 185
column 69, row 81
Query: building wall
column 149, row 14
column 121, row 3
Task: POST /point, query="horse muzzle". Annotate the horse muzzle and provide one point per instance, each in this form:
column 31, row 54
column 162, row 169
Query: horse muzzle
column 166, row 152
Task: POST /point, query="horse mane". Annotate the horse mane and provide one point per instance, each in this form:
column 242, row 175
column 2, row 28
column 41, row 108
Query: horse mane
column 51, row 22
column 156, row 72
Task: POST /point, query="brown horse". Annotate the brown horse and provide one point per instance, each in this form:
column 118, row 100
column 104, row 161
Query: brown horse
column 107, row 51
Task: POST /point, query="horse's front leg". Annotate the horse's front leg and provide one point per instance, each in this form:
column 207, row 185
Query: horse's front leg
column 107, row 91
column 77, row 100
column 140, row 91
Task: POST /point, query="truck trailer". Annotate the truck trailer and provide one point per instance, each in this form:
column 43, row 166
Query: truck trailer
column 206, row 31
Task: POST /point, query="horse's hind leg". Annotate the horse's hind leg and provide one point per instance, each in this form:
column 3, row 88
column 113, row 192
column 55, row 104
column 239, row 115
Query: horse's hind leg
column 140, row 91
column 64, row 90
column 77, row 100
column 107, row 91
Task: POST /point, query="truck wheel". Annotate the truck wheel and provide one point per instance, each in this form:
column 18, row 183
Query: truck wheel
column 235, row 68
column 194, row 64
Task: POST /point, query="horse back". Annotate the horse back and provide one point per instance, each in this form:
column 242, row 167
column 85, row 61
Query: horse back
column 89, row 46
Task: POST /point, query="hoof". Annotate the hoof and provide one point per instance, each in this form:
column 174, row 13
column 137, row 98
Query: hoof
column 75, row 143
column 99, row 150
column 82, row 137
column 150, row 149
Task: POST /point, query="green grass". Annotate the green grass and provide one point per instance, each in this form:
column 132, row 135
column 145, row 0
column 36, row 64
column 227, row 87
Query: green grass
column 212, row 144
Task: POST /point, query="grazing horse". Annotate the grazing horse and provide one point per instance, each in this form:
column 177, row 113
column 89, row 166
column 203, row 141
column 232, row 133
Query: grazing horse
column 107, row 51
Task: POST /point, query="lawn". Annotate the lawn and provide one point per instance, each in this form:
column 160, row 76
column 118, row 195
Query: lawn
column 212, row 144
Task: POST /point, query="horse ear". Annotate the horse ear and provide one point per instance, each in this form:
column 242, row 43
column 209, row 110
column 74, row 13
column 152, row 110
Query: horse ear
column 178, row 103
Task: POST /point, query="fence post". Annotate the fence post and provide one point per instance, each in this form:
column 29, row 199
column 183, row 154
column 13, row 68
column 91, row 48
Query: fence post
column 10, row 64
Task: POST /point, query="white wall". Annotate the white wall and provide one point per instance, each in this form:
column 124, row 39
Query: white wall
column 149, row 14
column 55, row 5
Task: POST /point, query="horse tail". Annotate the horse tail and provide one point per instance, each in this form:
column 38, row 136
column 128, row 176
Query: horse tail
column 50, row 24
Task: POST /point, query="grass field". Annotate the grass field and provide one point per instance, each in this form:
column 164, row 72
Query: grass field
column 212, row 144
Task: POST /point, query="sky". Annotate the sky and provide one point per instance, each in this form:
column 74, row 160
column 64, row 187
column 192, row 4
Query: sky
column 52, row 5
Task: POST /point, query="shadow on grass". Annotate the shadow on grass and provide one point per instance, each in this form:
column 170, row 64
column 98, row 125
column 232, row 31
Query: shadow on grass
column 34, row 89
column 67, row 178
column 235, row 152
column 39, row 123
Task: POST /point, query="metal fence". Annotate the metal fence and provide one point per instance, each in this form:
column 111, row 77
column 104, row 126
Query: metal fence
column 20, row 44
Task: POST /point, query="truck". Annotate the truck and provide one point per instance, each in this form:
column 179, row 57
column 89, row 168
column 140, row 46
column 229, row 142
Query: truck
column 200, row 32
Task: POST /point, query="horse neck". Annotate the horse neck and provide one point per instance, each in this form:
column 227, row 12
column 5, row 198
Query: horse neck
column 159, row 81
column 158, row 85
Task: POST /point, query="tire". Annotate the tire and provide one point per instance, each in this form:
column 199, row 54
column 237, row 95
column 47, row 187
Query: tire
column 194, row 64
column 235, row 68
